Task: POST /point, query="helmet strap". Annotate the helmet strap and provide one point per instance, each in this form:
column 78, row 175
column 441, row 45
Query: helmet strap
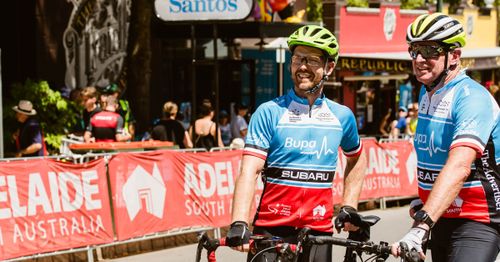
column 316, row 87
column 441, row 76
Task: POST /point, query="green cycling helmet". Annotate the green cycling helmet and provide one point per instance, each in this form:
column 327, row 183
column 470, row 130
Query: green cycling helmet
column 315, row 36
column 436, row 27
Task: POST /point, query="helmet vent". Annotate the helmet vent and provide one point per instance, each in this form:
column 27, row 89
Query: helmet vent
column 332, row 45
column 315, row 31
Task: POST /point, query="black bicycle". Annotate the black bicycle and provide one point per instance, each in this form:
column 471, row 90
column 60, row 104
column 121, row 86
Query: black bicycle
column 287, row 252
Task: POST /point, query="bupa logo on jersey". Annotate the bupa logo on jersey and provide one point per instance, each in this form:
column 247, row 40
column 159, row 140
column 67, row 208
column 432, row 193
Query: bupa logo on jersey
column 309, row 147
column 424, row 143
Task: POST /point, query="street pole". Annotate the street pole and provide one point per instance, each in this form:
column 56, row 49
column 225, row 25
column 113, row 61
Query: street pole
column 439, row 6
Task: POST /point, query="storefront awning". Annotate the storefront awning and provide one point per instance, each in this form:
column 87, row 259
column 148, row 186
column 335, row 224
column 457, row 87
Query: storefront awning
column 475, row 59
column 377, row 77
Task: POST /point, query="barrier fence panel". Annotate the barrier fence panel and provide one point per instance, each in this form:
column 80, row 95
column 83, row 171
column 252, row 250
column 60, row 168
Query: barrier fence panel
column 161, row 190
column 48, row 205
column 391, row 171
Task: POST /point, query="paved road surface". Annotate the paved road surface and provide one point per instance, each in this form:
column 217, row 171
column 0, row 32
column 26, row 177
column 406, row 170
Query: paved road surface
column 393, row 224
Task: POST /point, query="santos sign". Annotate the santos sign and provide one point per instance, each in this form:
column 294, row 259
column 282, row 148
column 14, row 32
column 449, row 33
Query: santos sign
column 192, row 10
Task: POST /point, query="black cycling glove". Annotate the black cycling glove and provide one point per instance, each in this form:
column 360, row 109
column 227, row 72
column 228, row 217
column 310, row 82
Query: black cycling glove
column 347, row 214
column 238, row 234
column 362, row 234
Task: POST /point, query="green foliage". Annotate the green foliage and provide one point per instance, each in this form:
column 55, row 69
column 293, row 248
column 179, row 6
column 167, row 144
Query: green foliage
column 357, row 3
column 412, row 4
column 314, row 10
column 57, row 115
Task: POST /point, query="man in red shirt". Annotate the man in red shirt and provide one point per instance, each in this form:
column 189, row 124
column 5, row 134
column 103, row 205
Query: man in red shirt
column 107, row 125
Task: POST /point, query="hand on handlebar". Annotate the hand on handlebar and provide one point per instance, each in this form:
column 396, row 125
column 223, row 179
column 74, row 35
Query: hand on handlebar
column 348, row 219
column 414, row 240
column 238, row 237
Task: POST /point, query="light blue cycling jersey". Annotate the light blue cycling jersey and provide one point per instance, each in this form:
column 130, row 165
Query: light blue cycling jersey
column 300, row 145
column 462, row 113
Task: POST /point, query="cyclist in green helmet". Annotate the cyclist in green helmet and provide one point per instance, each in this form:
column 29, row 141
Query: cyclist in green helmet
column 457, row 143
column 293, row 141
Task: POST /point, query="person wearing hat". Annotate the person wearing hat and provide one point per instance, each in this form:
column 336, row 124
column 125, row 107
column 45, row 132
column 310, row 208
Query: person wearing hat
column 123, row 107
column 28, row 137
column 293, row 141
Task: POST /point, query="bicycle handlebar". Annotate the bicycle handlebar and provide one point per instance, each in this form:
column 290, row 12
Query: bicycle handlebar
column 381, row 250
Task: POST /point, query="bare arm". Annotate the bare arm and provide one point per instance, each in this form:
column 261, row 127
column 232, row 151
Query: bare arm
column 449, row 181
column 245, row 187
column 122, row 137
column 353, row 179
column 30, row 149
column 219, row 138
column 187, row 140
column 87, row 137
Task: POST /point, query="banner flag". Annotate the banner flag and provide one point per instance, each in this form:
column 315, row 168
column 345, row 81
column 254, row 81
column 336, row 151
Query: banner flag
column 162, row 190
column 47, row 205
column 391, row 171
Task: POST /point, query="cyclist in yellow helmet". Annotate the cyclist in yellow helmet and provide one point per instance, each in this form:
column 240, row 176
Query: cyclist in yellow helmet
column 457, row 141
column 293, row 141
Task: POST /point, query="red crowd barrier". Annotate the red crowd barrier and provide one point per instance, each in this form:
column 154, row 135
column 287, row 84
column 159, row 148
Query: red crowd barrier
column 47, row 205
column 121, row 146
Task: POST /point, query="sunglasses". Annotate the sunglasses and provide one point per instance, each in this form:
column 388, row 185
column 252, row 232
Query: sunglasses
column 314, row 61
column 426, row 51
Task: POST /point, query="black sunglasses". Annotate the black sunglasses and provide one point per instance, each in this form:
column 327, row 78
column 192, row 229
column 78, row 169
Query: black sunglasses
column 426, row 51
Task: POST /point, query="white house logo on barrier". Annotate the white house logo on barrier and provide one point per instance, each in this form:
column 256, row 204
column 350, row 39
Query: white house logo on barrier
column 144, row 191
column 411, row 167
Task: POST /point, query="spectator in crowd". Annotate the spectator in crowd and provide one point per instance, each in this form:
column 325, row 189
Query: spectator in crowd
column 75, row 96
column 204, row 130
column 107, row 125
column 28, row 137
column 89, row 97
column 385, row 124
column 123, row 107
column 239, row 125
column 412, row 119
column 398, row 126
column 169, row 129
column 225, row 128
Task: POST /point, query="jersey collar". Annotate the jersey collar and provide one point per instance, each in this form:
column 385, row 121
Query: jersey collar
column 304, row 101
column 459, row 77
